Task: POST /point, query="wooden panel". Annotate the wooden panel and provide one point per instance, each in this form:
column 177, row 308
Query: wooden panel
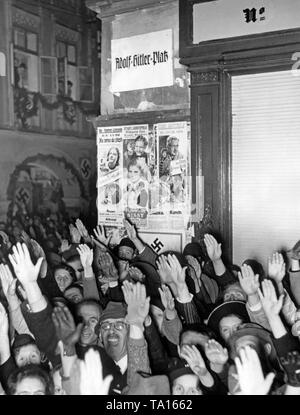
column 211, row 151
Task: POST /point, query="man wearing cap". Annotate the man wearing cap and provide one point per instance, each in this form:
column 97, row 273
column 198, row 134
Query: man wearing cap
column 255, row 336
column 121, row 334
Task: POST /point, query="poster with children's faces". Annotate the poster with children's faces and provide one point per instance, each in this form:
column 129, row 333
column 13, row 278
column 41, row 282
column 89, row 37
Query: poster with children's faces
column 110, row 181
column 172, row 156
column 136, row 173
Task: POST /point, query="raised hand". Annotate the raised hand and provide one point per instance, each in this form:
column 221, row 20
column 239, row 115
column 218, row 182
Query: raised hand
column 91, row 375
column 99, row 233
column 130, row 229
column 39, row 252
column 86, row 255
column 177, row 272
column 276, row 267
column 74, row 234
column 135, row 274
column 8, row 282
column 249, row 282
column 25, row 237
column 269, row 301
column 5, row 238
column 137, row 303
column 194, row 359
column 164, row 270
column 81, row 229
column 25, row 270
column 65, row 245
column 107, row 266
column 168, row 301
column 213, row 248
column 123, row 269
column 65, row 328
column 194, row 272
column 250, row 375
column 215, row 353
column 4, row 323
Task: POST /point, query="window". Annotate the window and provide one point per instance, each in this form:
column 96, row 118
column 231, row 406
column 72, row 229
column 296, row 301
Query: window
column 66, row 50
column 25, row 40
column 265, row 164
column 86, row 82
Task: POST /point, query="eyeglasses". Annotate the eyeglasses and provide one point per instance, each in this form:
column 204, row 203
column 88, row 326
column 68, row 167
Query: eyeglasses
column 119, row 325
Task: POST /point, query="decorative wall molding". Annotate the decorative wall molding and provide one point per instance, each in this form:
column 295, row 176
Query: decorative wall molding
column 24, row 19
column 203, row 77
column 65, row 34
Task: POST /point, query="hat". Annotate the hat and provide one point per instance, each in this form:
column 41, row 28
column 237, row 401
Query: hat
column 22, row 340
column 225, row 309
column 178, row 367
column 251, row 329
column 113, row 310
column 193, row 249
column 143, row 384
column 127, row 242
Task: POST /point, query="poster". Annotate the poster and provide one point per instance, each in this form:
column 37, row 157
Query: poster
column 110, row 181
column 172, row 156
column 143, row 175
column 137, row 173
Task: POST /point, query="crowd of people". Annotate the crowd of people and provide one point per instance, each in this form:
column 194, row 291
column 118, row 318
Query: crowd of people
column 81, row 317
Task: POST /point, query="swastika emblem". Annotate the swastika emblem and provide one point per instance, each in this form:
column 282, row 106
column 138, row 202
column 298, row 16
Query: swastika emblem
column 157, row 245
column 86, row 168
column 22, row 195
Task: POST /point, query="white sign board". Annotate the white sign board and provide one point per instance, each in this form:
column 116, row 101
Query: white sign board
column 164, row 241
column 143, row 61
column 230, row 18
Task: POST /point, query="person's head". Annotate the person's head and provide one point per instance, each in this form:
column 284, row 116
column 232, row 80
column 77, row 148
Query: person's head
column 74, row 293
column 134, row 171
column 229, row 325
column 64, row 276
column 22, row 68
column 113, row 330
column 113, row 157
column 126, row 249
column 256, row 267
column 130, row 147
column 195, row 334
column 234, row 292
column 182, row 379
column 226, row 318
column 30, row 380
column 75, row 263
column 157, row 311
column 88, row 312
column 256, row 337
column 164, row 152
column 172, row 145
column 25, row 350
column 140, row 143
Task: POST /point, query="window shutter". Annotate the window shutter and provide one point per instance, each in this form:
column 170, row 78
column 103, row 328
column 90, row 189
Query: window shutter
column 265, row 164
column 48, row 75
column 86, row 83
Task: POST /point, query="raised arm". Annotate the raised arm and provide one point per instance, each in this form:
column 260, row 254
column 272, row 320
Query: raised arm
column 137, row 311
column 90, row 289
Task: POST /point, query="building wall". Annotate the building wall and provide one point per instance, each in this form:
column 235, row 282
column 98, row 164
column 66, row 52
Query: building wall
column 48, row 140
